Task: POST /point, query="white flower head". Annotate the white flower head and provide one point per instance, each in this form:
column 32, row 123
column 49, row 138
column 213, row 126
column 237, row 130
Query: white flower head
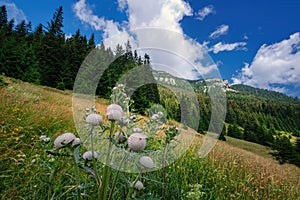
column 119, row 137
column 63, row 140
column 138, row 185
column 94, row 119
column 146, row 162
column 88, row 155
column 44, row 138
column 160, row 113
column 76, row 141
column 114, row 112
column 154, row 116
column 120, row 86
column 137, row 142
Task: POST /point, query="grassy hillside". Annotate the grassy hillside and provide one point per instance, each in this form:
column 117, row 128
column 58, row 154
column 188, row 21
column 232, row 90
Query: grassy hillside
column 233, row 169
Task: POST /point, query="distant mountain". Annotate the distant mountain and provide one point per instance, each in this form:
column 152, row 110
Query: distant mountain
column 263, row 93
column 238, row 91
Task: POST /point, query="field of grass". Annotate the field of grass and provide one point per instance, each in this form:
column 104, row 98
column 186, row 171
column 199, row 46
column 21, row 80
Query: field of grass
column 233, row 170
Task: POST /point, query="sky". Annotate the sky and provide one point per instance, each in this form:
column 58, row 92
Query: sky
column 253, row 42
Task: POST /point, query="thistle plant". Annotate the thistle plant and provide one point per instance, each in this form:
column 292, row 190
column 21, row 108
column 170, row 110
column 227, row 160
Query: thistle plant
column 115, row 141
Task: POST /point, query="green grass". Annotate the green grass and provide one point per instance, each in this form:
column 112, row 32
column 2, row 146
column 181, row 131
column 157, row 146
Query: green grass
column 233, row 170
column 250, row 146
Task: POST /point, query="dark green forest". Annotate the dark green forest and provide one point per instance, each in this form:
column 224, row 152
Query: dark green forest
column 43, row 55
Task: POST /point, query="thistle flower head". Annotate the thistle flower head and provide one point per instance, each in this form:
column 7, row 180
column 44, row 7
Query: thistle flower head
column 146, row 162
column 137, row 142
column 88, row 155
column 138, row 185
column 94, row 119
column 63, row 140
column 44, row 138
column 154, row 116
column 76, row 141
column 114, row 112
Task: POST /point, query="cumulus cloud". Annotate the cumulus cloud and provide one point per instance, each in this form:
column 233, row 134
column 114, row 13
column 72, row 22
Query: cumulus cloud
column 221, row 30
column 275, row 67
column 228, row 47
column 154, row 27
column 122, row 4
column 204, row 12
column 13, row 11
column 110, row 28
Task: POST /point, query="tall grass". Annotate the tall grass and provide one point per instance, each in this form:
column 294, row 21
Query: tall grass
column 28, row 172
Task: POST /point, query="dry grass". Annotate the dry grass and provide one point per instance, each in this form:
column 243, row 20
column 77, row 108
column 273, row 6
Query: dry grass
column 28, row 111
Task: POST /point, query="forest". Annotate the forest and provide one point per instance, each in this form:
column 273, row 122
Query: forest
column 43, row 55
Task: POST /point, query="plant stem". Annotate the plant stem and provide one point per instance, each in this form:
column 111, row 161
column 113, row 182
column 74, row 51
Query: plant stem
column 132, row 187
column 116, row 177
column 93, row 159
column 107, row 170
column 76, row 174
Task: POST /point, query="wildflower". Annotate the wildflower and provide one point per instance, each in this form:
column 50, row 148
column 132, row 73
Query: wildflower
column 137, row 142
column 119, row 137
column 76, row 141
column 138, row 185
column 160, row 113
column 94, row 119
column 88, row 155
column 146, row 162
column 33, row 161
column 63, row 140
column 44, row 138
column 114, row 112
column 120, row 86
column 155, row 117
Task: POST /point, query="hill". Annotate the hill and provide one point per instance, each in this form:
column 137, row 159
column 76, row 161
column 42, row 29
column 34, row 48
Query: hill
column 265, row 94
column 27, row 172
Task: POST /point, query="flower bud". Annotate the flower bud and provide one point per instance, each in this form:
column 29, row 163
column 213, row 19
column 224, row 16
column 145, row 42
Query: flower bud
column 146, row 162
column 114, row 112
column 88, row 155
column 138, row 185
column 76, row 141
column 137, row 142
column 63, row 140
column 94, row 119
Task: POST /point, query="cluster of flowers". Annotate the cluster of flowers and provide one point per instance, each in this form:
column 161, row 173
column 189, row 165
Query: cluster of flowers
column 136, row 141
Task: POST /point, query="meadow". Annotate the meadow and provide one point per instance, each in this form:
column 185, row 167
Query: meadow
column 234, row 169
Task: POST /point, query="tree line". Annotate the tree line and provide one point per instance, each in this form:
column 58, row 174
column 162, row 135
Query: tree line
column 45, row 56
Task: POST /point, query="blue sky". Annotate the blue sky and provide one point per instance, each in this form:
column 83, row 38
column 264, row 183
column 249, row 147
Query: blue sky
column 254, row 42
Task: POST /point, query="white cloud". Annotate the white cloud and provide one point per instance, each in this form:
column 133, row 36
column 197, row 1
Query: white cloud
column 13, row 12
column 110, row 28
column 85, row 14
column 122, row 4
column 221, row 30
column 275, row 67
column 228, row 47
column 204, row 12
column 153, row 26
